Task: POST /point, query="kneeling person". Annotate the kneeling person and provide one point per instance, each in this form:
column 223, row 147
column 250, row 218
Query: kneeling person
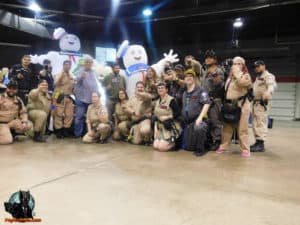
column 97, row 121
column 122, row 120
column 13, row 115
column 39, row 104
column 166, row 129
column 139, row 107
column 196, row 103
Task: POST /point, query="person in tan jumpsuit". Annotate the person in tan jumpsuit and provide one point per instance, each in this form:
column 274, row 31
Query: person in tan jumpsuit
column 13, row 115
column 97, row 122
column 122, row 120
column 263, row 90
column 139, row 107
column 237, row 85
column 166, row 128
column 64, row 112
column 39, row 103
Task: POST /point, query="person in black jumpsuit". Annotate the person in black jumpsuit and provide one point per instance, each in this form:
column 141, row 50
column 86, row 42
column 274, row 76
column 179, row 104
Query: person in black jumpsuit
column 25, row 78
column 196, row 102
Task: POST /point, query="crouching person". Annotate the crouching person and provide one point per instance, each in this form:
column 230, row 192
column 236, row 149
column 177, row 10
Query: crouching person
column 39, row 104
column 122, row 120
column 196, row 103
column 166, row 129
column 13, row 115
column 97, row 122
column 139, row 107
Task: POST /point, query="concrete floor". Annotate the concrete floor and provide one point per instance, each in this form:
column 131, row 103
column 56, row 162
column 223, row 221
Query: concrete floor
column 122, row 184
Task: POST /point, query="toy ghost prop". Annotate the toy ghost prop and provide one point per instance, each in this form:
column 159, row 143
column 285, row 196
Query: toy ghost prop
column 69, row 45
column 135, row 60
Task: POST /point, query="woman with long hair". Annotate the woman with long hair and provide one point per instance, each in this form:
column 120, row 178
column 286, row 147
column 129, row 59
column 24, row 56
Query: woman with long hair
column 122, row 120
column 150, row 83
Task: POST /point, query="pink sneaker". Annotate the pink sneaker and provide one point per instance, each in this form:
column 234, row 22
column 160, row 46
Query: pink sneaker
column 245, row 153
column 220, row 151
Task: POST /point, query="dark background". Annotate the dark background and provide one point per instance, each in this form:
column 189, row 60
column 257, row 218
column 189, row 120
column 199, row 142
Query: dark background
column 270, row 32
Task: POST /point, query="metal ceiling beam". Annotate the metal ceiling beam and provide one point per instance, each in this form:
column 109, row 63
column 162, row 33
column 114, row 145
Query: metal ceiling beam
column 14, row 45
column 54, row 12
column 193, row 13
column 27, row 25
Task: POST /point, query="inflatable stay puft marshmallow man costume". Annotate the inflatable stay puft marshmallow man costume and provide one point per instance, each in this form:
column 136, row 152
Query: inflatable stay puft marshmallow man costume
column 135, row 60
column 70, row 46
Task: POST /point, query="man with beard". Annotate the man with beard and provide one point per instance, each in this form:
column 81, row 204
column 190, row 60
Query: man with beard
column 13, row 115
column 139, row 107
column 63, row 114
column 213, row 83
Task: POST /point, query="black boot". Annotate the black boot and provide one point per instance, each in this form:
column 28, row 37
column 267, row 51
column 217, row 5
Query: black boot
column 59, row 133
column 215, row 145
column 38, row 137
column 68, row 132
column 199, row 153
column 254, row 145
column 65, row 132
column 259, row 146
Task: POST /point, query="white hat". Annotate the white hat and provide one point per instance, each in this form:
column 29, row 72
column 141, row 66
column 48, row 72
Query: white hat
column 59, row 33
column 123, row 49
column 239, row 59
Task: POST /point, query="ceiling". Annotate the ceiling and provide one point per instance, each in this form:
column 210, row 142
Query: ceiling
column 173, row 21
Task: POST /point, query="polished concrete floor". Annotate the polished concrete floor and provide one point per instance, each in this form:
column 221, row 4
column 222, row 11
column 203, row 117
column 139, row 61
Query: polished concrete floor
column 122, row 184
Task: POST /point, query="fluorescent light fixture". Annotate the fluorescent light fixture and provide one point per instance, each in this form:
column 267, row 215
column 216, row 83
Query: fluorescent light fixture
column 35, row 7
column 147, row 12
column 238, row 23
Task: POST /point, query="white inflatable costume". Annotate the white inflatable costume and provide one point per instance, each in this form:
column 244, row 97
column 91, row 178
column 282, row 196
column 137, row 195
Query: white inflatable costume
column 135, row 60
column 70, row 46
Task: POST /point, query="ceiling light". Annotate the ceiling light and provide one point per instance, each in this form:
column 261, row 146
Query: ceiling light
column 35, row 7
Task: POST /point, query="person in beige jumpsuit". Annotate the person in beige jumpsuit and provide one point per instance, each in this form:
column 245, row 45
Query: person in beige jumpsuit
column 139, row 107
column 238, row 84
column 122, row 119
column 166, row 128
column 64, row 112
column 263, row 90
column 39, row 103
column 13, row 115
column 97, row 122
